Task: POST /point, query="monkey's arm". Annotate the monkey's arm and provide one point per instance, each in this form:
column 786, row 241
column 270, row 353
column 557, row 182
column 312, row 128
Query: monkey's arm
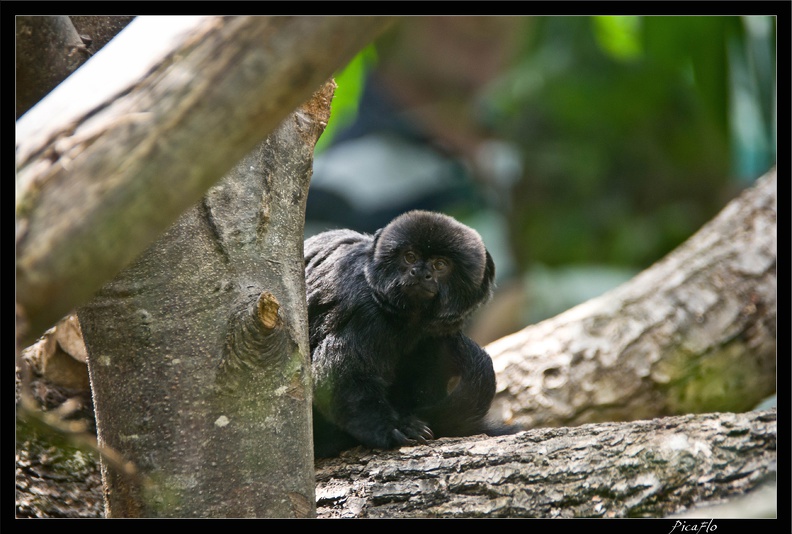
column 350, row 391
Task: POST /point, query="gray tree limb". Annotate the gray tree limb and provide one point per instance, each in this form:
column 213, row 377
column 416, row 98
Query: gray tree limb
column 639, row 469
column 695, row 332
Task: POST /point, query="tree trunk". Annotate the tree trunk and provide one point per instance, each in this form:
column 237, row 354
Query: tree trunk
column 694, row 333
column 198, row 352
column 119, row 150
column 639, row 469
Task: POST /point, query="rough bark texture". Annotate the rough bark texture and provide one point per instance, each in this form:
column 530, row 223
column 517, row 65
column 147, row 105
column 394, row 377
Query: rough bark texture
column 55, row 480
column 639, row 469
column 694, row 333
column 119, row 150
column 97, row 31
column 198, row 352
column 705, row 459
column 48, row 49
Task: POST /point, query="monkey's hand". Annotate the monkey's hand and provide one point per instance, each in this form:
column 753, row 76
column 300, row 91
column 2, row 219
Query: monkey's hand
column 411, row 431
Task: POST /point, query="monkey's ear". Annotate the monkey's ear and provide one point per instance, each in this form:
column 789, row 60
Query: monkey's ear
column 375, row 240
column 489, row 272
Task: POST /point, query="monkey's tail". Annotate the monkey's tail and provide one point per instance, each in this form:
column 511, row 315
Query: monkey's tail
column 492, row 427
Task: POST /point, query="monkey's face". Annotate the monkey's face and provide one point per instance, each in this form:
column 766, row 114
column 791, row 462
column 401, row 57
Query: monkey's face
column 431, row 264
column 422, row 277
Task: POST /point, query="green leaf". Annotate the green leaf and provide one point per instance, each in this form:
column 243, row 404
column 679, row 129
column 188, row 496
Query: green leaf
column 619, row 36
column 350, row 81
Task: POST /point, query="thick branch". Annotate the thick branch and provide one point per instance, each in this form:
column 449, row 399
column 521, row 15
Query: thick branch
column 693, row 333
column 644, row 468
column 120, row 149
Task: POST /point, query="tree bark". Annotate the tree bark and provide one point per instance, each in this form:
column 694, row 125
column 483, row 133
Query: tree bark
column 55, row 479
column 198, row 352
column 118, row 151
column 48, row 49
column 647, row 468
column 97, row 31
column 694, row 333
column 638, row 469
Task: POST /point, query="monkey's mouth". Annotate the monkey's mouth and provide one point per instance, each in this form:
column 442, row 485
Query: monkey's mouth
column 420, row 291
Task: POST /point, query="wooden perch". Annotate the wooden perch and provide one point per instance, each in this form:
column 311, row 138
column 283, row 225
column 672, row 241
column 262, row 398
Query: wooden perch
column 639, row 469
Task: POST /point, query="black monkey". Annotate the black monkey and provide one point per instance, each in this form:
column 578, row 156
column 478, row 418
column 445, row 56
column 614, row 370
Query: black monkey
column 391, row 366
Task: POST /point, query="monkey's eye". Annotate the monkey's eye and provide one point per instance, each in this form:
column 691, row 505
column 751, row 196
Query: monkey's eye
column 410, row 257
column 440, row 264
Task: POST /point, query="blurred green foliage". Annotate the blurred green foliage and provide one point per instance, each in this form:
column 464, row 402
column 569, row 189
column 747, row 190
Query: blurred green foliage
column 633, row 131
column 619, row 35
column 349, row 83
column 627, row 129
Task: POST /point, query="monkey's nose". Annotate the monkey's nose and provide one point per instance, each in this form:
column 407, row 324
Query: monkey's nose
column 415, row 271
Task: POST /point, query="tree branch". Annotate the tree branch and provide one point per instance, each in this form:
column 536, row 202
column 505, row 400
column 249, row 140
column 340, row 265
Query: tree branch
column 693, row 333
column 639, row 469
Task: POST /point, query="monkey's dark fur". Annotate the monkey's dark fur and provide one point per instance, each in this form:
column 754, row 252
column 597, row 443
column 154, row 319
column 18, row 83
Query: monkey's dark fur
column 391, row 366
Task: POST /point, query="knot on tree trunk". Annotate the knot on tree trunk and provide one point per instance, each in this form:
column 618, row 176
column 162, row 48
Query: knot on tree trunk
column 256, row 339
